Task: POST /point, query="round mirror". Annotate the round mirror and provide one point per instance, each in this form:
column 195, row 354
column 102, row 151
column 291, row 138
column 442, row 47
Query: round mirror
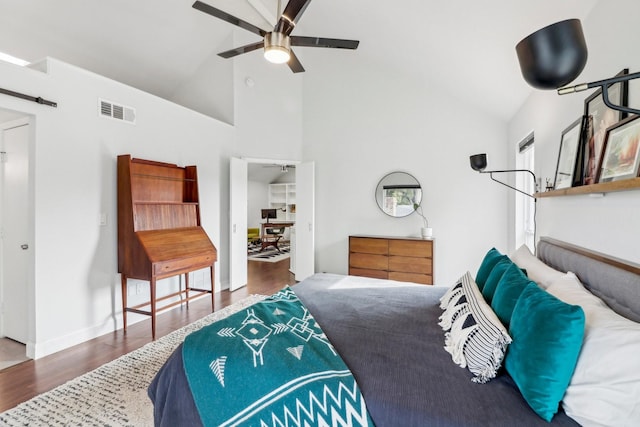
column 398, row 194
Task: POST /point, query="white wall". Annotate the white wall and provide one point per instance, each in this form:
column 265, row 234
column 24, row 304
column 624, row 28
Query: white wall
column 364, row 120
column 267, row 118
column 75, row 288
column 608, row 224
column 268, row 108
column 75, row 285
column 209, row 90
column 357, row 120
column 257, row 199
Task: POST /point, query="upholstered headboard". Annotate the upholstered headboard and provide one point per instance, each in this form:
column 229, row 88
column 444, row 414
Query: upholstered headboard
column 615, row 281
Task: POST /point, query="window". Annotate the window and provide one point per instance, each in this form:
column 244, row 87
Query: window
column 525, row 209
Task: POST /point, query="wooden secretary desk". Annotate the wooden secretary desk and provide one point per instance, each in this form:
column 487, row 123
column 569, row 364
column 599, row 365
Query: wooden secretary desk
column 159, row 231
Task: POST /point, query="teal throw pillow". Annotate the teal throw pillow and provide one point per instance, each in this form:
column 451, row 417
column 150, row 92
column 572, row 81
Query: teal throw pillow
column 547, row 336
column 490, row 259
column 507, row 292
column 495, row 275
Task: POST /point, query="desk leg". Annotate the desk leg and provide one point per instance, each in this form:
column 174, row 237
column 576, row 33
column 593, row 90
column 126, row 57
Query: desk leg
column 186, row 288
column 213, row 287
column 123, row 281
column 152, row 290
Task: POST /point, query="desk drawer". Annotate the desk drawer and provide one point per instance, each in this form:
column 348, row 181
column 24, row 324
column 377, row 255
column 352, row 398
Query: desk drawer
column 177, row 266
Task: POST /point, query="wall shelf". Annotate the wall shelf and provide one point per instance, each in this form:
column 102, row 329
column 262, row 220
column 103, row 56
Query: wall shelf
column 604, row 187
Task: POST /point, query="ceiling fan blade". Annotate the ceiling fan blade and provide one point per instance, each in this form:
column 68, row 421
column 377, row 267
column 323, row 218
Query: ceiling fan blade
column 203, row 7
column 324, row 42
column 294, row 63
column 291, row 16
column 242, row 49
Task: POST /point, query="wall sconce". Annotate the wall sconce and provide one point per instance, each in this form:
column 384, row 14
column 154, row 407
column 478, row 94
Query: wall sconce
column 555, row 55
column 479, row 164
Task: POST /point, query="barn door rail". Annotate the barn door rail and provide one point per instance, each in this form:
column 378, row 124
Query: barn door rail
column 37, row 99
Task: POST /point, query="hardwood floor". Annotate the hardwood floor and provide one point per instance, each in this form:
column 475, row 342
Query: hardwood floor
column 28, row 379
column 11, row 353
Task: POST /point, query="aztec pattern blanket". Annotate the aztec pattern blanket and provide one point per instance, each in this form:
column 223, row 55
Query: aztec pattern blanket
column 271, row 365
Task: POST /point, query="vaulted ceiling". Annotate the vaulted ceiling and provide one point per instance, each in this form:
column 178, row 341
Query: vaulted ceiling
column 467, row 46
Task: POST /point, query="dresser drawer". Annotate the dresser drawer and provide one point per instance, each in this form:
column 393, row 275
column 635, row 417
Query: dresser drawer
column 424, row 279
column 368, row 261
column 376, row 274
column 422, row 248
column 410, row 264
column 368, row 245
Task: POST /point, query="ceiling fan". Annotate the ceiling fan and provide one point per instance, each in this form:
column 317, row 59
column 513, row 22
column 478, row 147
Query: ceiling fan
column 277, row 43
column 283, row 168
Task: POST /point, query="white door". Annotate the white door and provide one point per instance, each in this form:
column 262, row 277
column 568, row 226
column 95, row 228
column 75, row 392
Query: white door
column 15, row 246
column 238, row 223
column 305, row 220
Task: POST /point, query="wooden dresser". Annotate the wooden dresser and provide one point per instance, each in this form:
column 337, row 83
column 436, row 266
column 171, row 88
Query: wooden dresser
column 159, row 232
column 406, row 259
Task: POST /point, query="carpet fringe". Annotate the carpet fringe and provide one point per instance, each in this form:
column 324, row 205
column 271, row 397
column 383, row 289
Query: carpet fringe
column 114, row 394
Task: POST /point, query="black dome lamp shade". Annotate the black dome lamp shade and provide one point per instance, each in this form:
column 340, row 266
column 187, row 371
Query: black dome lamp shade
column 555, row 55
column 478, row 163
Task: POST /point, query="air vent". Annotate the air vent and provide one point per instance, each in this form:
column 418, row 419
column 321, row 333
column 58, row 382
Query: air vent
column 116, row 111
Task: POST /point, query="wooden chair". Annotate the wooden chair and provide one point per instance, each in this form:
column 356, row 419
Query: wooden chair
column 271, row 237
column 253, row 235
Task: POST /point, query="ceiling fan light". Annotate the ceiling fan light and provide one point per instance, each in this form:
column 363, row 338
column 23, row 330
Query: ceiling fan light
column 277, row 47
column 277, row 55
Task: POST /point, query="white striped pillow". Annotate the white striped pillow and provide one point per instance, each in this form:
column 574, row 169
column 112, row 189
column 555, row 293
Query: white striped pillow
column 475, row 338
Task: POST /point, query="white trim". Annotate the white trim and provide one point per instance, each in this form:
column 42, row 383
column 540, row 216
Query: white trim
column 271, row 161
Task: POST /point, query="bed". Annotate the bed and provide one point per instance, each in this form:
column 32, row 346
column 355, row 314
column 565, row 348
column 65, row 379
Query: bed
column 389, row 335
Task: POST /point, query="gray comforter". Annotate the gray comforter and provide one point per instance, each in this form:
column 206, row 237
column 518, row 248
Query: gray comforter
column 388, row 336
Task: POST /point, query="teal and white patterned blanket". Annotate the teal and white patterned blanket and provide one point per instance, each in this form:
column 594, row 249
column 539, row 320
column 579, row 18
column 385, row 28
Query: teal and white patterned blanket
column 271, row 365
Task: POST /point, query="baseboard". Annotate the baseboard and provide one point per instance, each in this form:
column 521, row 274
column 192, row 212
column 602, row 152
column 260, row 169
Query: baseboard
column 54, row 345
column 46, row 348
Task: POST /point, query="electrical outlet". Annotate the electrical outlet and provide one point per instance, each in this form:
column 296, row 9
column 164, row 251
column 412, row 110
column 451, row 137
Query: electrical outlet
column 102, row 219
column 139, row 288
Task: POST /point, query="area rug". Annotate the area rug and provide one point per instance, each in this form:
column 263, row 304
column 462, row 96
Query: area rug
column 114, row 394
column 269, row 254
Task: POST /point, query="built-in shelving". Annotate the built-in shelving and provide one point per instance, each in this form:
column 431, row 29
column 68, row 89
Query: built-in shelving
column 604, row 187
column 283, row 197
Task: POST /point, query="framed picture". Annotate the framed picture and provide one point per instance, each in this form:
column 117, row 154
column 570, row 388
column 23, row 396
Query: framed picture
column 567, row 155
column 602, row 117
column 621, row 154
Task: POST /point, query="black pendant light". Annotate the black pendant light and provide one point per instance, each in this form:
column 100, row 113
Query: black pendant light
column 555, row 55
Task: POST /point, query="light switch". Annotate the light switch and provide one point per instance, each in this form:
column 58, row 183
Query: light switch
column 103, row 219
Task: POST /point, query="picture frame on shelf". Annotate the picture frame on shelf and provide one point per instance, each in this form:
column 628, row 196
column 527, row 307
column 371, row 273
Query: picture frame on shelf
column 621, row 151
column 602, row 117
column 567, row 155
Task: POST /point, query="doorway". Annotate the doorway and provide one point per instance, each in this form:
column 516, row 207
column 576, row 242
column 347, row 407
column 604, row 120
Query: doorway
column 14, row 237
column 254, row 176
